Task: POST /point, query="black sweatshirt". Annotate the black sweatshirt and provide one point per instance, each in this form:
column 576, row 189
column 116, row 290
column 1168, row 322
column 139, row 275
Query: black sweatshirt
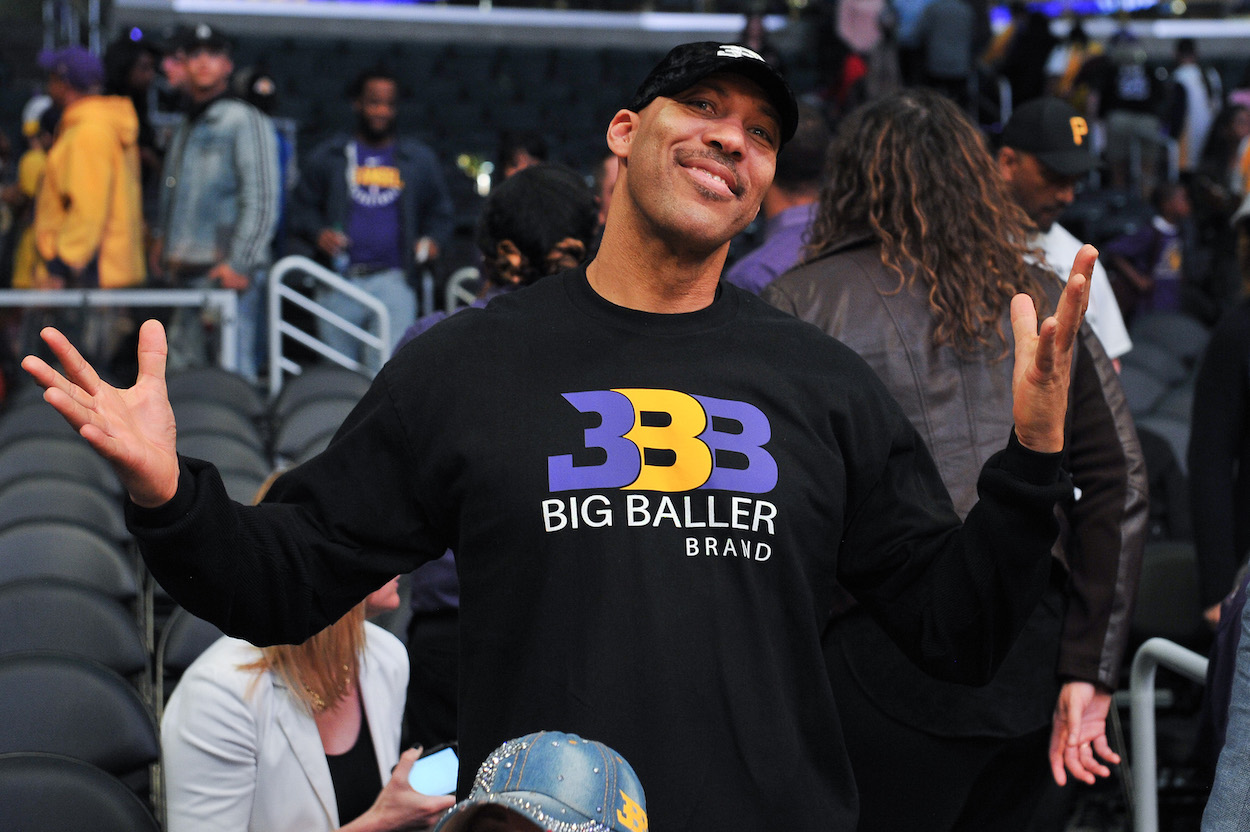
column 649, row 513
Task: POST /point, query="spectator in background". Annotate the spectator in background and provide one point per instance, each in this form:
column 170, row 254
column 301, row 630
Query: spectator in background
column 219, row 201
column 518, row 151
column 172, row 82
column 945, row 33
column 296, row 738
column 374, row 206
column 257, row 87
column 88, row 213
column 1045, row 152
column 536, row 223
column 130, row 70
column 1219, row 444
column 1219, row 450
column 1128, row 103
column 28, row 271
column 1024, row 64
column 1195, row 95
column 1153, row 264
column 789, row 205
column 1063, row 68
column 917, row 279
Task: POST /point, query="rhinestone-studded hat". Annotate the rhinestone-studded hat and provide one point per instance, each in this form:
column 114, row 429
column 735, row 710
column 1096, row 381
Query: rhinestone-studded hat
column 686, row 65
column 559, row 781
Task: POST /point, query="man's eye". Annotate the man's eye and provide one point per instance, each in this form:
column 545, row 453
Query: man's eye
column 700, row 104
column 763, row 134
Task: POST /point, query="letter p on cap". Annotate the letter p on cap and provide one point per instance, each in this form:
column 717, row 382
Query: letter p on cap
column 1079, row 130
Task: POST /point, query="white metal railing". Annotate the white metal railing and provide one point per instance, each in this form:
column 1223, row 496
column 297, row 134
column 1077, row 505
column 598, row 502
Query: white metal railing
column 1155, row 652
column 377, row 343
column 224, row 301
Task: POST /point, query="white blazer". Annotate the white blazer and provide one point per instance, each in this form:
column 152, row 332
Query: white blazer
column 240, row 753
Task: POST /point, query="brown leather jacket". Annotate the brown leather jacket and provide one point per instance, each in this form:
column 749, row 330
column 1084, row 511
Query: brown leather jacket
column 962, row 408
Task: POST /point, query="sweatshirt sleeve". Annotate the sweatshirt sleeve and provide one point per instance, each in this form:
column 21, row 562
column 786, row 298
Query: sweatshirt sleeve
column 952, row 597
column 1107, row 521
column 330, row 531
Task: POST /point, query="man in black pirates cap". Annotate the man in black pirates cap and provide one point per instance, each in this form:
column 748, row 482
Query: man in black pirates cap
column 653, row 483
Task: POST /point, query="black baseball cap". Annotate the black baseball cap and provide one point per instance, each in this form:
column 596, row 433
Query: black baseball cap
column 690, row 63
column 1054, row 132
column 203, row 36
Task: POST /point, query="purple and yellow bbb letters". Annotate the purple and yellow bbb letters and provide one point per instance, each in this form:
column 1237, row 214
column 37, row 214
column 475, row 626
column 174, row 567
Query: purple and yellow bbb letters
column 684, row 427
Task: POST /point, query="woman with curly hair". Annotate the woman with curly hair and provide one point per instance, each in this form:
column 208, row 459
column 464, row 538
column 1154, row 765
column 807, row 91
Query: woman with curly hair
column 914, row 255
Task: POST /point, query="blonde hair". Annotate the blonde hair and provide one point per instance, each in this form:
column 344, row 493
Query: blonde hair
column 323, row 670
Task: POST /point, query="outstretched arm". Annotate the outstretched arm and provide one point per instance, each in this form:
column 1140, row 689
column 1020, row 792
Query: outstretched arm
column 1044, row 359
column 133, row 429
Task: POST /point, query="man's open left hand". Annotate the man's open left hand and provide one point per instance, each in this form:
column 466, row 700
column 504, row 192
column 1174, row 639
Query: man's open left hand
column 1044, row 359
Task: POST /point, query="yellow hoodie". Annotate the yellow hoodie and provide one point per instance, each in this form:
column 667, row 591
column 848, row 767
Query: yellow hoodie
column 90, row 200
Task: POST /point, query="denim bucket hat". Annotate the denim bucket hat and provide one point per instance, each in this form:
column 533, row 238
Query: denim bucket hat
column 558, row 781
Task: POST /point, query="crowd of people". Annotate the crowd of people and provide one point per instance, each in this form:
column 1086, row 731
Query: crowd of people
column 643, row 503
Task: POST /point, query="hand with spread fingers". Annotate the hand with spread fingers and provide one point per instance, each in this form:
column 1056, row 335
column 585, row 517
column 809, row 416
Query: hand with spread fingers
column 1079, row 732
column 1044, row 359
column 133, row 429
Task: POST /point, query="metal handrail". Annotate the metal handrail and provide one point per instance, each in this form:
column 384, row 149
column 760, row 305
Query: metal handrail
column 378, row 343
column 1191, row 665
column 225, row 301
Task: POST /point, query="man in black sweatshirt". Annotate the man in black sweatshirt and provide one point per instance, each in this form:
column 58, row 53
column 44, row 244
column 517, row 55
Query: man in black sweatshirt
column 651, row 482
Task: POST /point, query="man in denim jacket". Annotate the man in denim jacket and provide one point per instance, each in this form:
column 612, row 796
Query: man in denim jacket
column 219, row 199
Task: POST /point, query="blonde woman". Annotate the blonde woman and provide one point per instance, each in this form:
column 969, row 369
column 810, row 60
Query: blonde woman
column 296, row 737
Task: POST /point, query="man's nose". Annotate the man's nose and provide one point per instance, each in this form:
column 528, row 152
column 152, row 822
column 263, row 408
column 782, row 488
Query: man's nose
column 727, row 135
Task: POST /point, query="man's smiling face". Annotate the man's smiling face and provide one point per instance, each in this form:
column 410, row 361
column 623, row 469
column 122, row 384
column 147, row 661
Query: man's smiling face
column 697, row 164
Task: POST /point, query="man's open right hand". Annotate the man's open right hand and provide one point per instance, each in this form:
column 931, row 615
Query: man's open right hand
column 133, row 429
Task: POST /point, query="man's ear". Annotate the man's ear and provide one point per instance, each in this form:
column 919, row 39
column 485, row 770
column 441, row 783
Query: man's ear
column 620, row 131
column 1007, row 159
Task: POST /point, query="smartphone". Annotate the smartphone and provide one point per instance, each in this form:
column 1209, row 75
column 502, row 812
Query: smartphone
column 435, row 772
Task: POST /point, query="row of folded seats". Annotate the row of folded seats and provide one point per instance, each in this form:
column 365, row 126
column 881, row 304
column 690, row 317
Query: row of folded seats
column 91, row 645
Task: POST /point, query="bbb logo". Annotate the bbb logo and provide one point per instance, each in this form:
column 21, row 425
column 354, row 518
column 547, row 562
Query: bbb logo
column 665, row 440
column 732, row 50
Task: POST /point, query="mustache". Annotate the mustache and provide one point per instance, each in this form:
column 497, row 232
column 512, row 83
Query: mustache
column 686, row 154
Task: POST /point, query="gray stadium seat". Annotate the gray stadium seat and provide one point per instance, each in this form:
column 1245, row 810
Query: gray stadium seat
column 57, row 550
column 59, row 704
column 62, row 616
column 67, row 457
column 62, row 499
column 56, row 793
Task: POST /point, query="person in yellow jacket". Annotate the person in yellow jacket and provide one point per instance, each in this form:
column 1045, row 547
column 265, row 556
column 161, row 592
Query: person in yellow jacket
column 88, row 213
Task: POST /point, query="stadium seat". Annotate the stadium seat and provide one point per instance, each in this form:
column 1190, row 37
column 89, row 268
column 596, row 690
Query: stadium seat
column 40, row 549
column 56, row 793
column 218, row 385
column 49, row 614
column 59, row 704
column 62, row 499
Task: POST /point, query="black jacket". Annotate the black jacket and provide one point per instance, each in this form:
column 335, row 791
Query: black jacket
column 962, row 408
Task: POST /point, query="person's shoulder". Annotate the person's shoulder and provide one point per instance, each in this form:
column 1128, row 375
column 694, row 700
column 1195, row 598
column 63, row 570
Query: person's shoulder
column 385, row 647
column 850, row 262
column 332, row 146
column 787, row 340
column 413, row 148
column 1059, row 236
column 221, row 666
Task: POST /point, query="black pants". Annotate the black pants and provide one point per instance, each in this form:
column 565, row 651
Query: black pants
column 911, row 780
